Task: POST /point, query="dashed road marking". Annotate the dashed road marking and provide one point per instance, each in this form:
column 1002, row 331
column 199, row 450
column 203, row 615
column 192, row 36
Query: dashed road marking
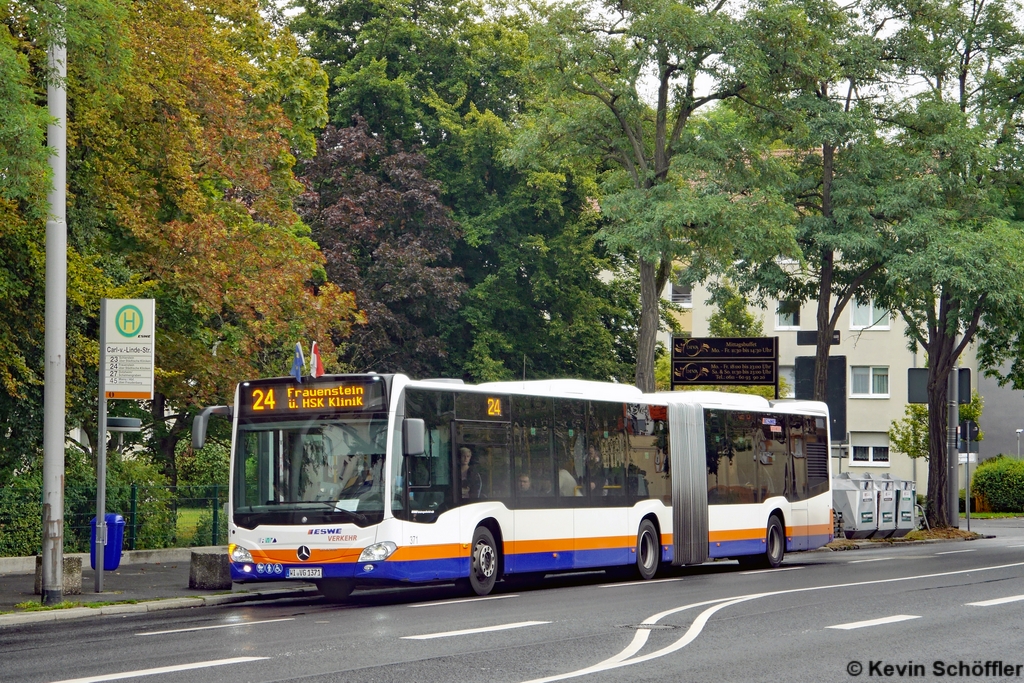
column 470, row 631
column 777, row 569
column 207, row 628
column 874, row 622
column 953, row 552
column 877, row 559
column 463, row 600
column 637, row 583
column 162, row 670
column 997, row 601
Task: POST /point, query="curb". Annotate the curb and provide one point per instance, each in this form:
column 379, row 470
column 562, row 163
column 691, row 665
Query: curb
column 153, row 606
column 867, row 544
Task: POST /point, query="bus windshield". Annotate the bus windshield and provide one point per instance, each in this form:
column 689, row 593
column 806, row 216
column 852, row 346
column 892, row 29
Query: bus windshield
column 310, row 471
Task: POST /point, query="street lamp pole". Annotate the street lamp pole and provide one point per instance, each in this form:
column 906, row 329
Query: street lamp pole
column 1018, row 442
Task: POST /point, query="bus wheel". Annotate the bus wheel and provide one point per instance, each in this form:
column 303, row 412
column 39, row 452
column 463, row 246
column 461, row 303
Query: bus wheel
column 483, row 561
column 775, row 547
column 335, row 590
column 648, row 550
column 775, row 542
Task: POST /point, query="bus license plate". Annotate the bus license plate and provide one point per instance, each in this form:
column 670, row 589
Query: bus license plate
column 305, row 573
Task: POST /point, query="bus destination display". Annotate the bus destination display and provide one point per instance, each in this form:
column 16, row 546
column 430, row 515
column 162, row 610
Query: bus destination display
column 282, row 397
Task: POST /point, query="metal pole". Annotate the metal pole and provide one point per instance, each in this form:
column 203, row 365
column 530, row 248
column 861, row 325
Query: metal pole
column 953, row 450
column 216, row 504
column 55, row 335
column 967, row 476
column 99, row 547
column 135, row 515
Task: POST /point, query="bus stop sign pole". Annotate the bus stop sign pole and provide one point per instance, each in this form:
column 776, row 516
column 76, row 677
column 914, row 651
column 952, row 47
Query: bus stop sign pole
column 127, row 331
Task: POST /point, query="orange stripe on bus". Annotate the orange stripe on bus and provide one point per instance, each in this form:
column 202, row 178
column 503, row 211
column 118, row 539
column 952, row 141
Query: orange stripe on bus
column 558, row 545
column 736, row 535
column 604, row 543
column 441, row 551
column 809, row 530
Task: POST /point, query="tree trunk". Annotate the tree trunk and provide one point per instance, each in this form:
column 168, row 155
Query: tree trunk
column 824, row 326
column 824, row 317
column 938, row 389
column 648, row 335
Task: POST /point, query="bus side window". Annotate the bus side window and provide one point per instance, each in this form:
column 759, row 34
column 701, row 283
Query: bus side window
column 532, row 449
column 798, row 488
column 606, row 454
column 745, row 442
column 570, row 420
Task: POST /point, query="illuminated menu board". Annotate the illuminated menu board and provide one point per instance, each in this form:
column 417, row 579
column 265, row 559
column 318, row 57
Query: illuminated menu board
column 285, row 396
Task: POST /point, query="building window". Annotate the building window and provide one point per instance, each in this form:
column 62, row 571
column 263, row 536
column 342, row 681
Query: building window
column 682, row 295
column 869, row 455
column 870, row 381
column 867, row 315
column 788, row 315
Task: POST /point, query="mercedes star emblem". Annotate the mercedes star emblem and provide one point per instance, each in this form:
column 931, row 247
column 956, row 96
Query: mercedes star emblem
column 303, row 553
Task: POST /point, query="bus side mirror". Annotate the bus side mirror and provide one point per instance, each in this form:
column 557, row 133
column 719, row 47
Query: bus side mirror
column 413, row 433
column 201, row 420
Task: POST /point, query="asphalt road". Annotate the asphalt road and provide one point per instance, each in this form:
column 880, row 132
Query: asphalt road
column 818, row 618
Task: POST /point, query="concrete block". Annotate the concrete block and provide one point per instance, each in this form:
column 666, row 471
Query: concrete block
column 72, row 575
column 209, row 569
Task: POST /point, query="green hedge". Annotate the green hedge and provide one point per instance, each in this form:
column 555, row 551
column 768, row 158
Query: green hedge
column 1001, row 482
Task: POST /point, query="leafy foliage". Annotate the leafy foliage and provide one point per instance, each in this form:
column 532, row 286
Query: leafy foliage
column 1000, row 481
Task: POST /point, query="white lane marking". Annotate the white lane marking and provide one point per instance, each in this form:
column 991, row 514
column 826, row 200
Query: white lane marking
column 874, row 622
column 462, row 600
column 997, row 601
column 1015, row 546
column 621, row 659
column 777, row 569
column 953, row 552
column 469, row 631
column 162, row 670
column 207, row 628
column 638, row 583
column 877, row 559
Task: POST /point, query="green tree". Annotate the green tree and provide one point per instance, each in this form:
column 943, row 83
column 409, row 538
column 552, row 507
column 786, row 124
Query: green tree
column 958, row 276
column 595, row 60
column 732, row 318
column 812, row 124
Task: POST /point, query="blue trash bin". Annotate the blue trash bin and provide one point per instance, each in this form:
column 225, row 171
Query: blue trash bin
column 115, row 541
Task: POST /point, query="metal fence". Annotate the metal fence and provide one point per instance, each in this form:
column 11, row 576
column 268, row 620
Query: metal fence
column 154, row 517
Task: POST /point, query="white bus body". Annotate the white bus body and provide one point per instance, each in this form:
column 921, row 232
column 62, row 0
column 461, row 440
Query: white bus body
column 513, row 478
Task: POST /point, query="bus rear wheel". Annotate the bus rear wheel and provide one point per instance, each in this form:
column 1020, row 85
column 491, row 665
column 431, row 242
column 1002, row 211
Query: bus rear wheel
column 775, row 547
column 335, row 590
column 648, row 550
column 483, row 561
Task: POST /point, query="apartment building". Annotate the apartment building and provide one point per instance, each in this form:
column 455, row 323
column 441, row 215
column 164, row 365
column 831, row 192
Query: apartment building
column 875, row 358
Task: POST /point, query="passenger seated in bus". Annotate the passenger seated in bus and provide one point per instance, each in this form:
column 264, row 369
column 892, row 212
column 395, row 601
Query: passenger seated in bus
column 596, row 470
column 524, row 486
column 469, row 474
column 566, row 482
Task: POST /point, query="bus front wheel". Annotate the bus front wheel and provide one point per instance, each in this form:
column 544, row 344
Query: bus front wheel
column 483, row 561
column 648, row 550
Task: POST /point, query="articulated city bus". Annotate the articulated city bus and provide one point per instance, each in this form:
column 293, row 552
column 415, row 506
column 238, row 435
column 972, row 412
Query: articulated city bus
column 349, row 480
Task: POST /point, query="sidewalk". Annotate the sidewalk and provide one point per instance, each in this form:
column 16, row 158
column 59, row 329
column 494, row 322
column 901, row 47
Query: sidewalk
column 156, row 580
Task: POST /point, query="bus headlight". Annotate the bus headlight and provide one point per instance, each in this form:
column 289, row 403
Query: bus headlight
column 238, row 553
column 377, row 552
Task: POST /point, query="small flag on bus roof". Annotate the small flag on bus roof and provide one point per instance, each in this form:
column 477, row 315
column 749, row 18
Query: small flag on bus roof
column 316, row 366
column 298, row 364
